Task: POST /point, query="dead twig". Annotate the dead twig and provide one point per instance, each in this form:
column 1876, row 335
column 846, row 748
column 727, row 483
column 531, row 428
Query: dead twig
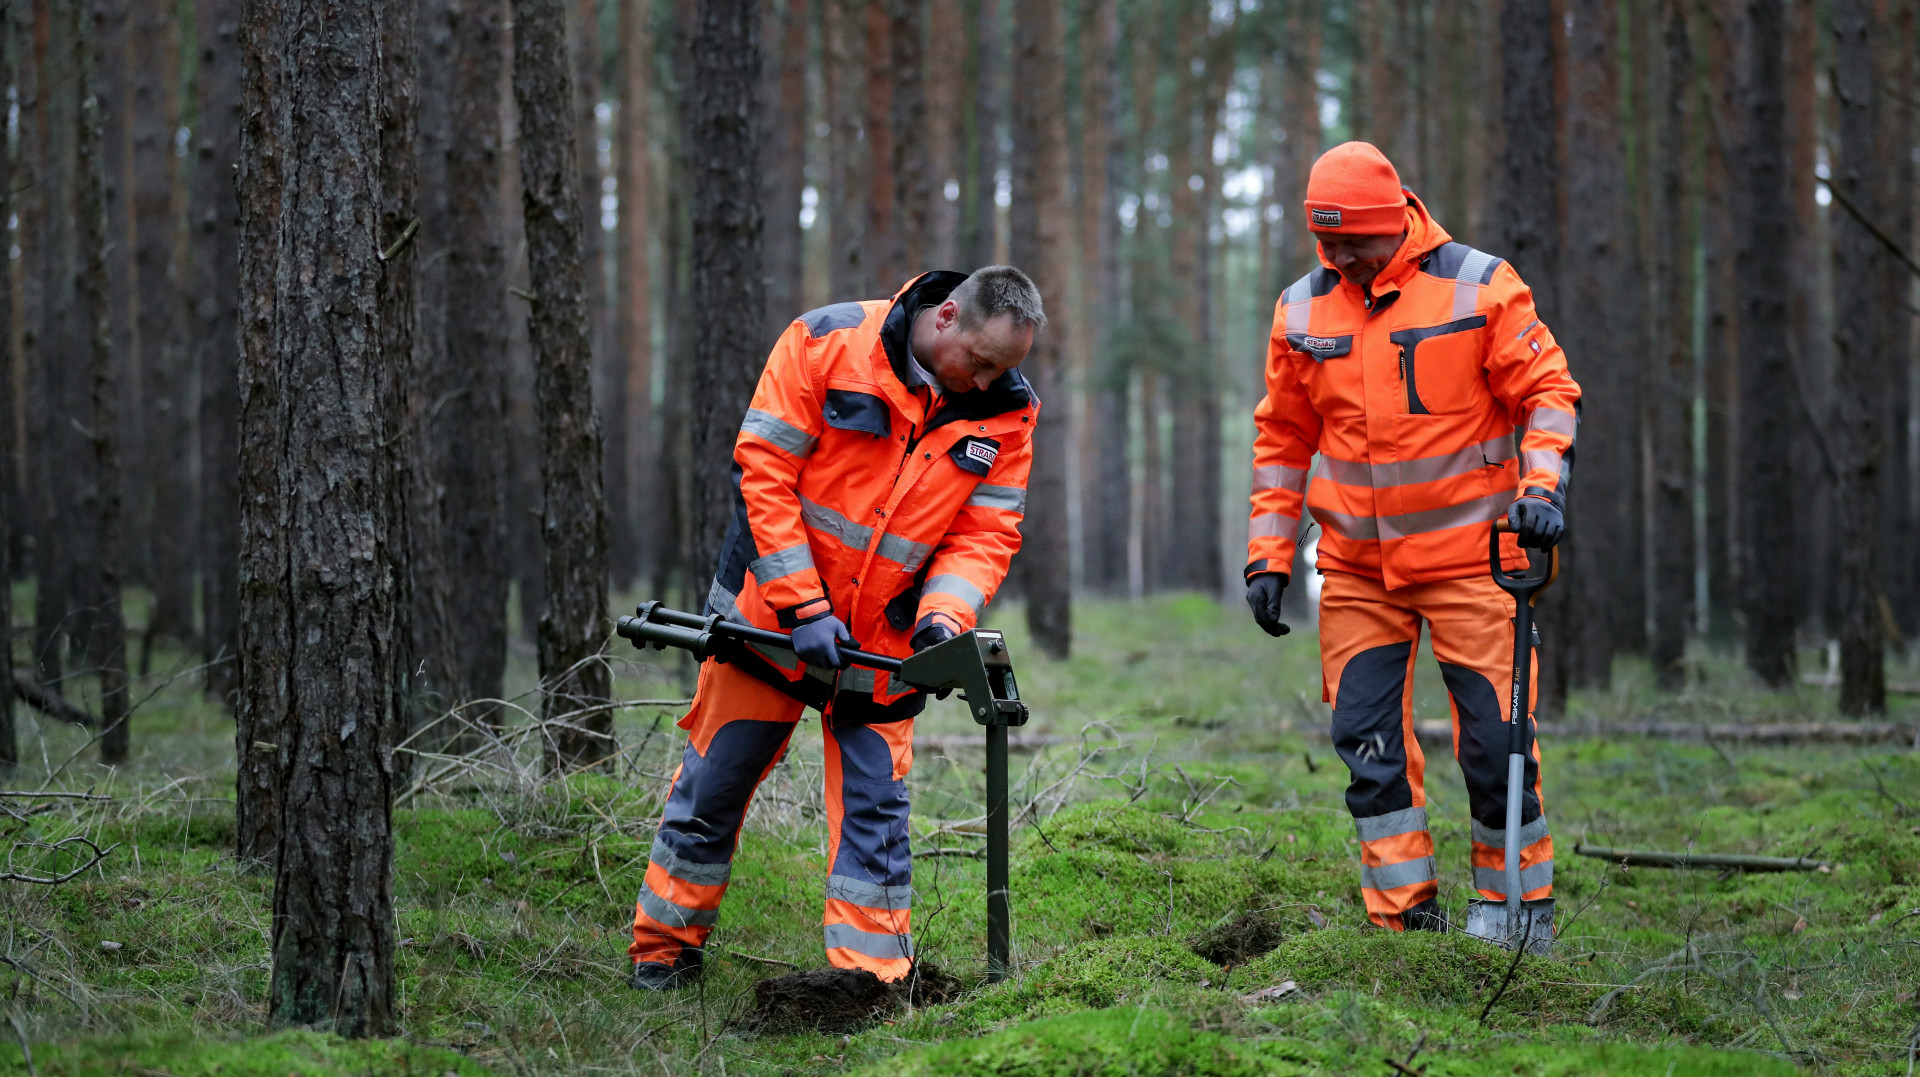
column 68, row 796
column 48, row 701
column 1519, row 951
column 1654, row 859
column 99, row 854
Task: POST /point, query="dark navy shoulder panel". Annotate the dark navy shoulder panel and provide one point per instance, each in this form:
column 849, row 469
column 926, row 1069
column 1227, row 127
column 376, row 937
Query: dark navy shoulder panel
column 1449, row 259
column 834, row 316
column 864, row 412
column 1322, row 281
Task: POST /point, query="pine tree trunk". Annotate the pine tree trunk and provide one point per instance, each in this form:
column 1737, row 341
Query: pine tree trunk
column 988, row 44
column 1669, row 389
column 318, row 408
column 945, row 91
column 783, row 157
column 1038, row 236
column 1601, row 540
column 1106, row 484
column 108, row 31
column 1189, row 378
column 1302, row 105
column 61, row 472
column 843, row 36
column 523, row 466
column 173, row 530
column 1713, row 32
column 883, row 234
column 1762, row 200
column 474, row 525
column 1856, row 429
column 214, row 292
column 1530, row 201
column 1812, row 344
column 911, row 171
column 574, row 520
column 724, row 180
column 1895, row 50
column 9, row 462
column 106, row 646
column 634, row 324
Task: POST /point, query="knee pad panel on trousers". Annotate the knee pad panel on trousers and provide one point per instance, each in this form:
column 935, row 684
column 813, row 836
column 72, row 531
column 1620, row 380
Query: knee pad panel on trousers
column 874, row 840
column 1482, row 748
column 1368, row 732
column 709, row 801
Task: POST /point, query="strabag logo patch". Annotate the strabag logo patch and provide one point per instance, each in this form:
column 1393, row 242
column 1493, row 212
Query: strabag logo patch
column 1326, row 218
column 1320, row 344
column 975, row 455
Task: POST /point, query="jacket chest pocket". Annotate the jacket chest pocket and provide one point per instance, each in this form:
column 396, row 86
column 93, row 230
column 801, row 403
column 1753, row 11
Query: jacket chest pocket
column 1440, row 367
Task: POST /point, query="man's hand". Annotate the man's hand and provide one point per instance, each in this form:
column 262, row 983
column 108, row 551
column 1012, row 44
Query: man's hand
column 1263, row 595
column 932, row 631
column 1537, row 522
column 817, row 641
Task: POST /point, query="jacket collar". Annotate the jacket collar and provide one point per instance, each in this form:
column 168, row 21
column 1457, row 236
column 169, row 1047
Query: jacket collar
column 1424, row 236
column 1008, row 392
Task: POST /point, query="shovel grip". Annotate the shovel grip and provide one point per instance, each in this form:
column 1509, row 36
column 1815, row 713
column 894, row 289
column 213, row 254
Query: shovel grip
column 1529, row 584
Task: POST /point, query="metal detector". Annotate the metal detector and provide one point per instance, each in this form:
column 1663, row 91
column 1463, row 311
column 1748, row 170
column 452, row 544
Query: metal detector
column 1513, row 923
column 975, row 663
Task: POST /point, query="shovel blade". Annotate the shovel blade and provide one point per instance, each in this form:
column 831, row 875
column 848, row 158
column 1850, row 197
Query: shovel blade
column 1488, row 920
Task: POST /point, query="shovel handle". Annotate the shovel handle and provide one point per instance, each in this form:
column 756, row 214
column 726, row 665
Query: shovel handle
column 1526, row 584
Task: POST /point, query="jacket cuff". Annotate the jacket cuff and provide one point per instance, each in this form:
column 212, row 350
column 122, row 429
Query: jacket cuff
column 1262, row 567
column 813, row 609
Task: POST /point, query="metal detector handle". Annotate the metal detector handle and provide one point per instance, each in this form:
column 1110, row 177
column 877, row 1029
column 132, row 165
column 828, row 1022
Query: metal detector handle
column 662, row 627
column 1520, row 584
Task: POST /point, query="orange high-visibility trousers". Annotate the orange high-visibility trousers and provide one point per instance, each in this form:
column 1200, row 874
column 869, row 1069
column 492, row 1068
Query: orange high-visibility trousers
column 1368, row 638
column 738, row 729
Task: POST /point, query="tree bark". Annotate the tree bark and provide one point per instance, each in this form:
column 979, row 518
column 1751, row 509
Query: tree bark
column 320, row 630
column 848, row 183
column 1716, row 28
column 107, row 643
column 1530, row 200
column 107, row 27
column 1601, row 541
column 62, row 472
column 988, row 47
column 1037, row 241
column 214, row 295
column 1762, row 199
column 637, row 551
column 783, row 158
column 723, row 178
column 911, row 171
column 9, row 439
column 474, row 526
column 1669, row 391
column 946, row 92
column 574, row 519
column 1302, row 147
column 1856, row 430
column 883, row 236
column 1106, row 483
column 173, row 530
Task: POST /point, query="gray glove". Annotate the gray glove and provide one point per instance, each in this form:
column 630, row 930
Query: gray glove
column 817, row 641
column 1539, row 523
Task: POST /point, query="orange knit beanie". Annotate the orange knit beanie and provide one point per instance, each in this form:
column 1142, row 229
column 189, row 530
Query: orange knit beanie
column 1354, row 189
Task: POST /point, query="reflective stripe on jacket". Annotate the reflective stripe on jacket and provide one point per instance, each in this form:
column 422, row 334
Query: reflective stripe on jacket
column 852, row 487
column 1412, row 395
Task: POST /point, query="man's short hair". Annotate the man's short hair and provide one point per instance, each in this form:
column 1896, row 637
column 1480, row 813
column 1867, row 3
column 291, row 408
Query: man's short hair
column 995, row 290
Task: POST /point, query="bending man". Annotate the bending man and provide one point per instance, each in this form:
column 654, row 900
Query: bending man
column 882, row 474
column 1410, row 364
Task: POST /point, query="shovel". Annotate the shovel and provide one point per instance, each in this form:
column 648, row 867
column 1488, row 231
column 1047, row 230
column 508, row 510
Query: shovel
column 1513, row 923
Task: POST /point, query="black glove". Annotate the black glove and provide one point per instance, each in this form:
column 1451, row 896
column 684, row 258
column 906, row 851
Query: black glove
column 1539, row 523
column 817, row 641
column 931, row 633
column 1263, row 594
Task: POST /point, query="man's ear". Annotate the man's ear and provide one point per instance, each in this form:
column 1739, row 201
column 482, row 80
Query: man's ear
column 948, row 314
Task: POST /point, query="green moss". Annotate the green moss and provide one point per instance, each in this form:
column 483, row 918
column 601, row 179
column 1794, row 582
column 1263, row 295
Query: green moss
column 309, row 1054
column 1127, row 1042
column 1093, row 975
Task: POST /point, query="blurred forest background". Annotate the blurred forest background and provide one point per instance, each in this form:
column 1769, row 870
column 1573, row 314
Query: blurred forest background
column 1712, row 200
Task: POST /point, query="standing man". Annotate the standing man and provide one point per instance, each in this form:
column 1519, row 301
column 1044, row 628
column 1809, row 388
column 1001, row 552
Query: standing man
column 882, row 475
column 1410, row 364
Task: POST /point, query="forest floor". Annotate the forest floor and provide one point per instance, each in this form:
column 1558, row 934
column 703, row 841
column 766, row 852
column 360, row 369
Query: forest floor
column 1178, row 799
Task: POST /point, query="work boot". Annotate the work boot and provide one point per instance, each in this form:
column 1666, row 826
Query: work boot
column 1426, row 916
column 654, row 976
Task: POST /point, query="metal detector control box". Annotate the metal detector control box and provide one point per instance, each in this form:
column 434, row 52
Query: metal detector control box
column 977, row 664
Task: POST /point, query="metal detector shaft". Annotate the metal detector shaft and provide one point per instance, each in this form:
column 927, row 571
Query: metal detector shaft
column 976, row 663
column 1524, row 588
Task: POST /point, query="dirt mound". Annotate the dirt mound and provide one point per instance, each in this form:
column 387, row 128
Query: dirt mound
column 841, row 1000
column 1239, row 940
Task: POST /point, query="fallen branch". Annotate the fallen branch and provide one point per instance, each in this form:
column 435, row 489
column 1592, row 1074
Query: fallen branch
column 99, row 854
column 47, row 701
column 1437, row 732
column 68, row 796
column 971, row 854
column 1646, row 859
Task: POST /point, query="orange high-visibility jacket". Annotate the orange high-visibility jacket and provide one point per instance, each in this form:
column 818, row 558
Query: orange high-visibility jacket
column 1412, row 394
column 851, row 491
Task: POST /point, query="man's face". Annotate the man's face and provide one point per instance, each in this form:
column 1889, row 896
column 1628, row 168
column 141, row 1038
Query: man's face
column 1359, row 258
column 963, row 359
